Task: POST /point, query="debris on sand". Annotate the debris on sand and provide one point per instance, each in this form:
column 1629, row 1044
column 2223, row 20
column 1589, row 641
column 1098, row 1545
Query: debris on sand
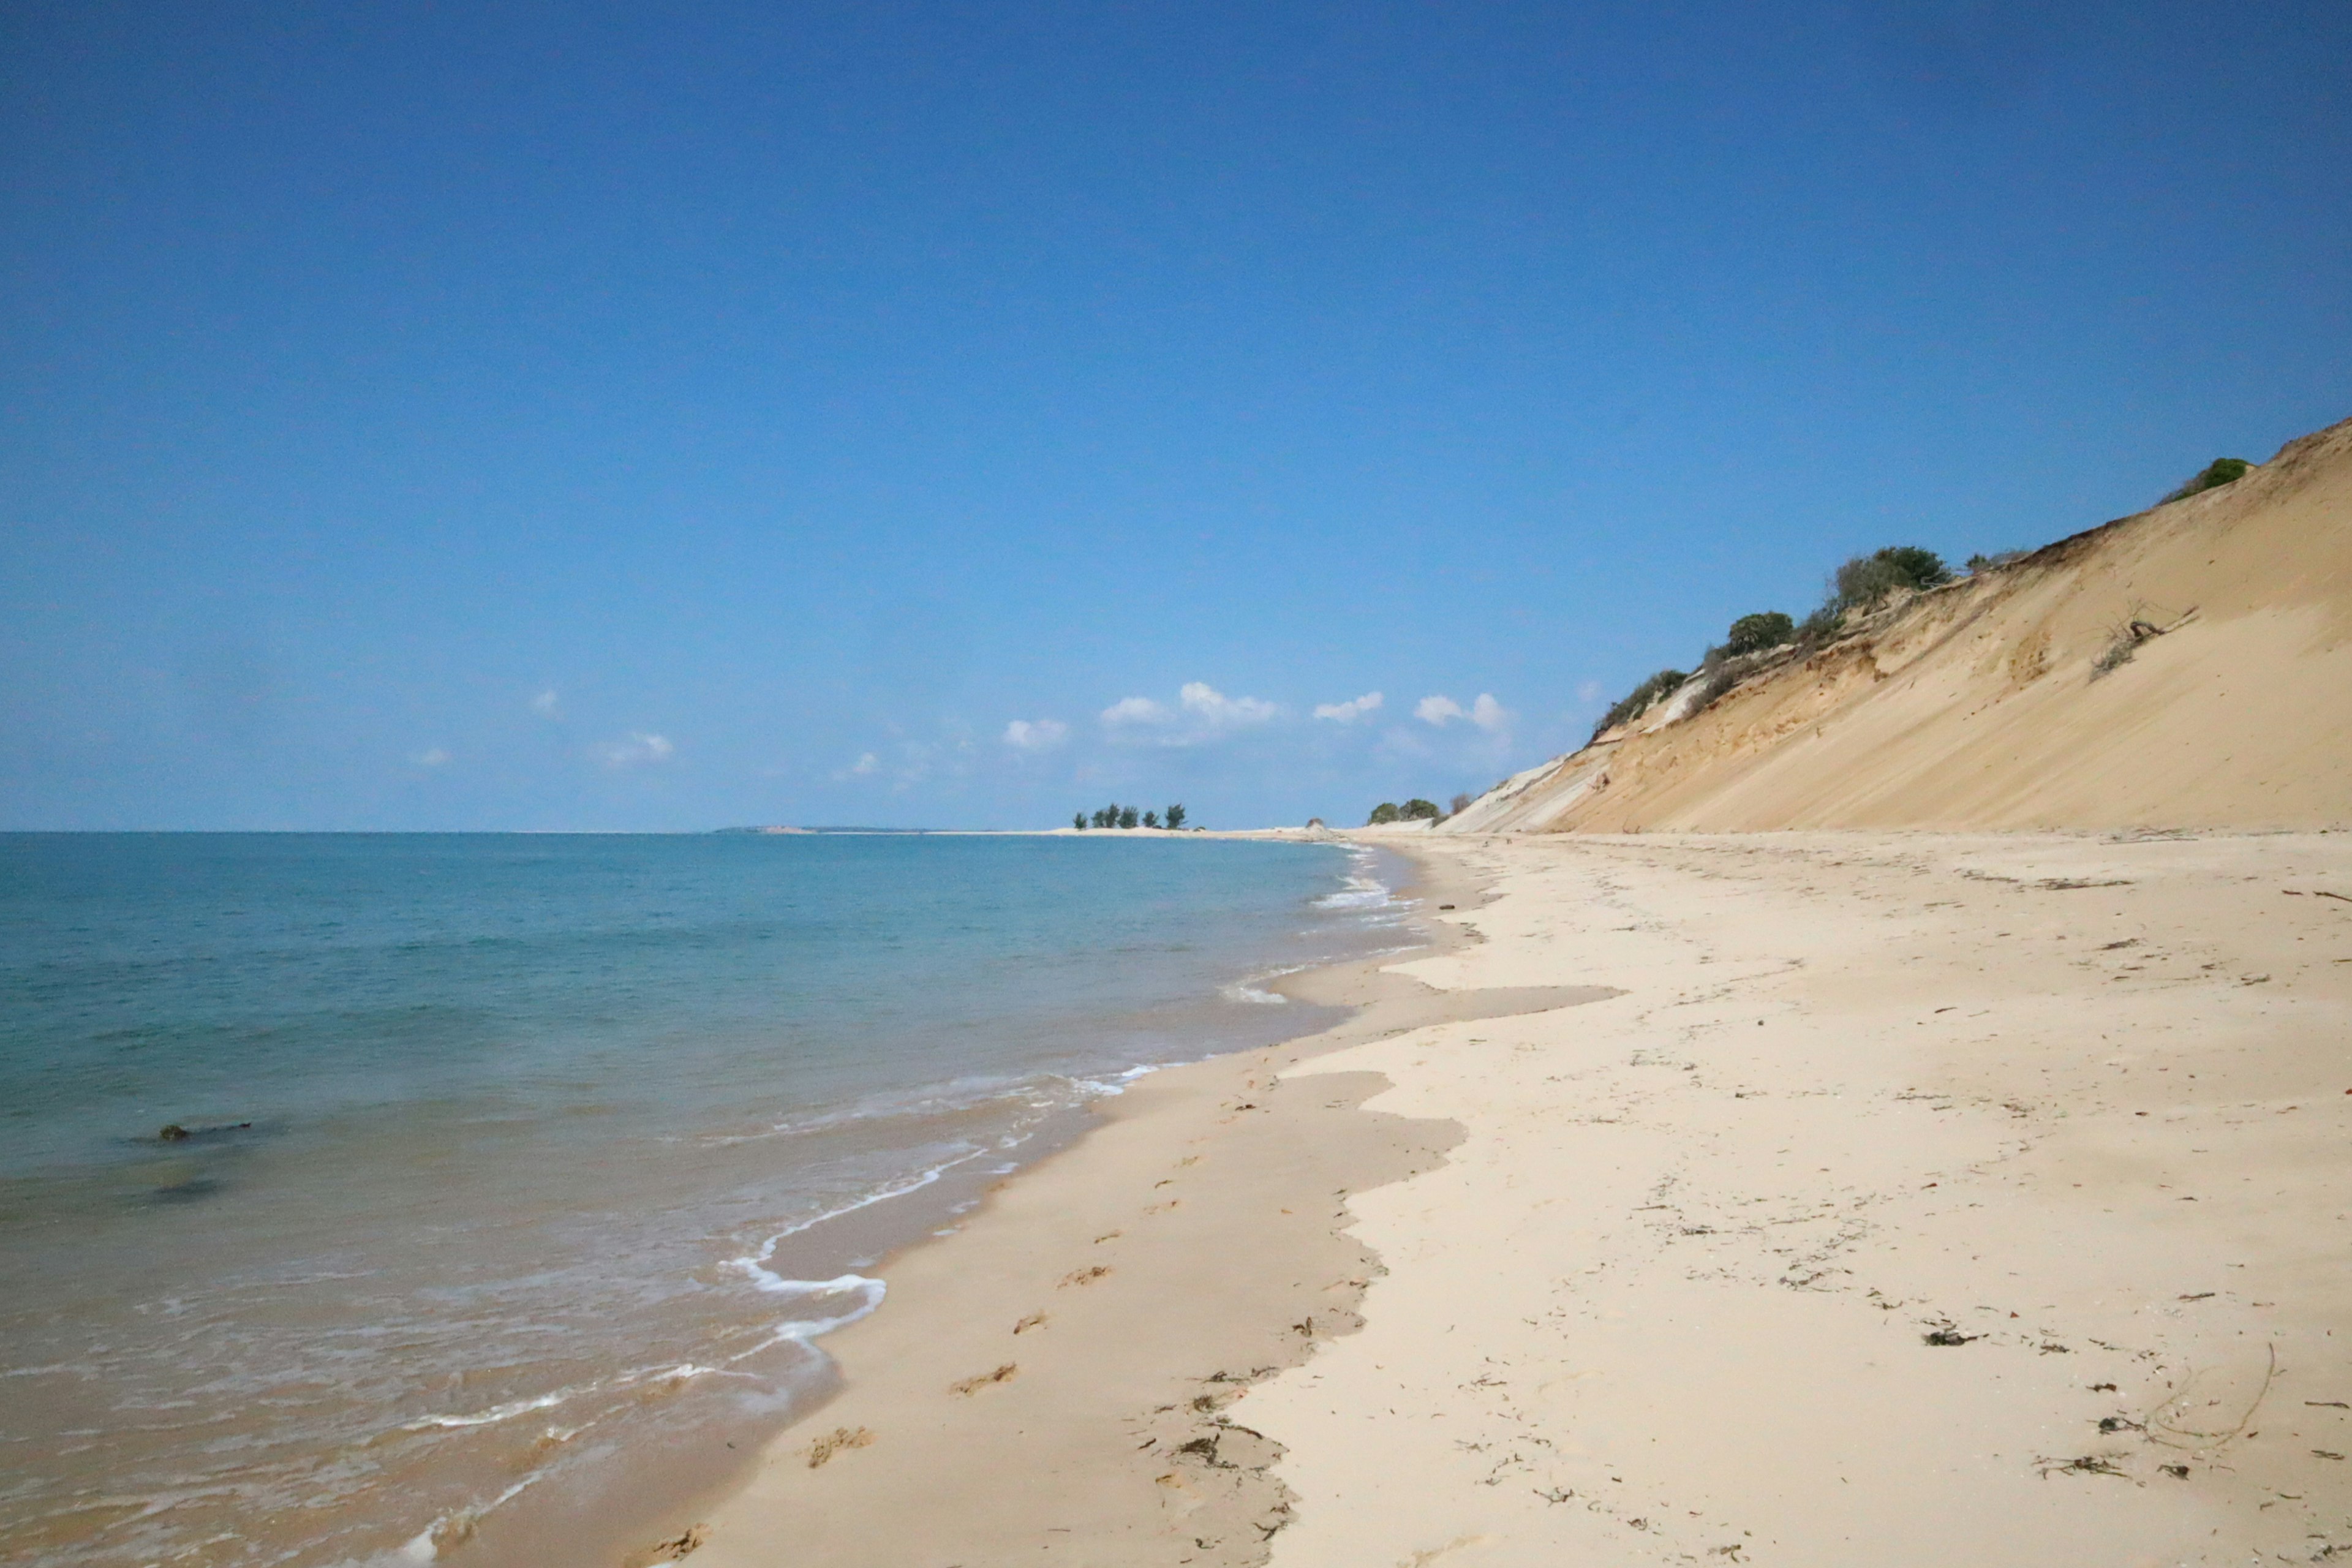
column 833, row 1442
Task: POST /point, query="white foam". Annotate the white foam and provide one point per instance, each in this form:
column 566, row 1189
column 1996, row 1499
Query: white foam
column 869, row 1290
column 1238, row 992
column 495, row 1414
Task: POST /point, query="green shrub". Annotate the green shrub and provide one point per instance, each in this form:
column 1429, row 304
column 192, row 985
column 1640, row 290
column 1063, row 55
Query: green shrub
column 2212, row 477
column 1150, row 819
column 1079, row 822
column 1420, row 810
column 1637, row 701
column 1127, row 817
column 1819, row 627
column 1753, row 634
column 1175, row 817
column 1382, row 814
column 1866, row 579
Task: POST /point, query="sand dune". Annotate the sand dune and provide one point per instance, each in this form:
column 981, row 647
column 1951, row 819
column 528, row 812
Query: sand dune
column 1979, row 704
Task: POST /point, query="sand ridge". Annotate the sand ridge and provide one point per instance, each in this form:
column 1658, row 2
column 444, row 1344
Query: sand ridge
column 1992, row 703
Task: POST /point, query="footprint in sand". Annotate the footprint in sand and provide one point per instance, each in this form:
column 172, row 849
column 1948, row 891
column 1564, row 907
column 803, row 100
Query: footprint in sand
column 972, row 1385
column 833, row 1442
column 1034, row 1320
column 1085, row 1276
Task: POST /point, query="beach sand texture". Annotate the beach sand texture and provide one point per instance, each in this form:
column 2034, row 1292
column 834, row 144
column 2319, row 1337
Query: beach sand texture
column 1653, row 1277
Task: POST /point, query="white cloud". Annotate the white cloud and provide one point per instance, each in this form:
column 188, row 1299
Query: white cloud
column 1201, row 713
column 1036, row 735
column 1347, row 713
column 866, row 762
column 1588, row 692
column 1486, row 712
column 634, row 749
column 1135, row 710
column 1220, row 710
column 434, row 758
column 547, row 705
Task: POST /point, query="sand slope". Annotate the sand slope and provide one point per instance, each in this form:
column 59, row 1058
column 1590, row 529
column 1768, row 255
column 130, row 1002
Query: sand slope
column 1976, row 705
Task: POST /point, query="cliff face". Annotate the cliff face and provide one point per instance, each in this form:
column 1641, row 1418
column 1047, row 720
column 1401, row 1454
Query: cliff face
column 1982, row 704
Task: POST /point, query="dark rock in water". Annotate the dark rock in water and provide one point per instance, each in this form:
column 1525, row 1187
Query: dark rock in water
column 174, row 1133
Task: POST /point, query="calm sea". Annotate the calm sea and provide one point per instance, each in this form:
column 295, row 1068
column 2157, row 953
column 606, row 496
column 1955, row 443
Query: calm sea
column 511, row 1180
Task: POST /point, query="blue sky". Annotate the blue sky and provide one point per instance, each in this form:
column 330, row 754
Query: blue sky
column 612, row 416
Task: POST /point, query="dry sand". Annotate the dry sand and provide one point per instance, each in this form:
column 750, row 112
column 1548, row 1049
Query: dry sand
column 1652, row 1277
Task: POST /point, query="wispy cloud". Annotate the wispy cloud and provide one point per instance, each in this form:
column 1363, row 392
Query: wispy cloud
column 547, row 704
column 1486, row 712
column 1588, row 692
column 1035, row 734
column 866, row 764
column 1135, row 710
column 432, row 758
column 633, row 749
column 1223, row 711
column 1347, row 713
column 1201, row 713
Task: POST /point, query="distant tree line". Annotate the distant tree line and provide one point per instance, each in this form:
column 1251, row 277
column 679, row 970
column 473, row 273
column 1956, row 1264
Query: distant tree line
column 1413, row 810
column 1127, row 817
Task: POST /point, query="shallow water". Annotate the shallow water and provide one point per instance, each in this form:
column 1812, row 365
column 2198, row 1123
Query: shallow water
column 520, row 1172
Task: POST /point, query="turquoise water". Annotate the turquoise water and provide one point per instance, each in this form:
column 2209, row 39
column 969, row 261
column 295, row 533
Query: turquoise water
column 520, row 1173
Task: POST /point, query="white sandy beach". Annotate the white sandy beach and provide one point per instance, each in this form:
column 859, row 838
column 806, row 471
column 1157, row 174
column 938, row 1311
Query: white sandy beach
column 1653, row 1277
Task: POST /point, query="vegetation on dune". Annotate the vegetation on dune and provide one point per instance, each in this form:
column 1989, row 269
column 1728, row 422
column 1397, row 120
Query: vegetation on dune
column 1637, row 701
column 1460, row 803
column 1818, row 627
column 1859, row 585
column 1866, row 580
column 1754, row 634
column 1382, row 814
column 1413, row 810
column 2213, row 476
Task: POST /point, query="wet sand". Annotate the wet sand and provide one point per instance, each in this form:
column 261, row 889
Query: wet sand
column 1920, row 1198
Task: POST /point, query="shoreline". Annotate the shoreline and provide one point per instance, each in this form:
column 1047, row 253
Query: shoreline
column 1203, row 1211
column 1940, row 1198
